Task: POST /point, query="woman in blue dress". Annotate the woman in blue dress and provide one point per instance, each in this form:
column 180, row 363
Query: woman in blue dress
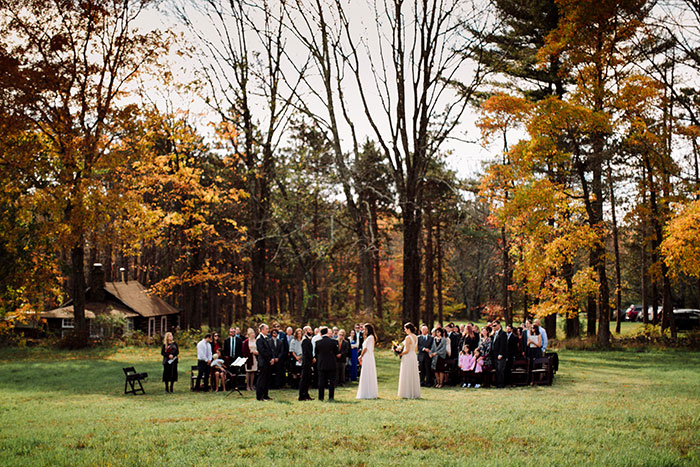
column 354, row 345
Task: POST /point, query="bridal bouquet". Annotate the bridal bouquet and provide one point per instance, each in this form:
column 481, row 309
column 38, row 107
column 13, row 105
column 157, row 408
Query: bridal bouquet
column 397, row 347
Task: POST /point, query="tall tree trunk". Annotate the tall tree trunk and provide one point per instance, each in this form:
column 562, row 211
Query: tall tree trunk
column 411, row 260
column 505, row 286
column 358, row 289
column 592, row 307
column 438, row 238
column 645, row 269
column 572, row 323
column 78, row 281
column 616, row 247
column 429, row 279
column 376, row 248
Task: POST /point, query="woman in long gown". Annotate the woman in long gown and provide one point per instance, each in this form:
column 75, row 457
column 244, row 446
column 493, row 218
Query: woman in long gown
column 368, row 389
column 409, row 377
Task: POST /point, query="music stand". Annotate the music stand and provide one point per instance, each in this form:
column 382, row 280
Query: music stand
column 236, row 366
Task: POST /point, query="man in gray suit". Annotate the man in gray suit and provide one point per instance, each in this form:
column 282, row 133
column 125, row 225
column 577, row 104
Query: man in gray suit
column 425, row 342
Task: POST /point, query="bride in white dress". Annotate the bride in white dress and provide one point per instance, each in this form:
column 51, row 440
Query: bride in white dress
column 409, row 377
column 368, row 377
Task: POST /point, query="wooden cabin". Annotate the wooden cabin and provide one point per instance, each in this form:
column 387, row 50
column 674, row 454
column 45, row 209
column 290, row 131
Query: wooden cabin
column 142, row 310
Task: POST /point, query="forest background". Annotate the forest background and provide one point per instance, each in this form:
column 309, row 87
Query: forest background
column 291, row 159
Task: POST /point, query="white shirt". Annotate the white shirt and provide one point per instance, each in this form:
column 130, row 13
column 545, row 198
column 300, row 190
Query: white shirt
column 315, row 339
column 543, row 333
column 203, row 350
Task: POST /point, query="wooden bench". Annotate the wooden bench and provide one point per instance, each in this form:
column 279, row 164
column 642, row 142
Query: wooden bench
column 541, row 371
column 193, row 378
column 132, row 379
column 520, row 373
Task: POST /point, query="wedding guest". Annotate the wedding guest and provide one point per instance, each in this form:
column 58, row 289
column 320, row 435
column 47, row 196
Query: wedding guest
column 466, row 365
column 296, row 352
column 543, row 335
column 335, row 333
column 280, row 349
column 307, row 362
column 512, row 351
column 521, row 347
column 343, row 356
column 354, row 352
column 499, row 354
column 425, row 343
column 218, row 372
column 475, row 372
column 170, row 353
column 360, row 331
column 250, row 351
column 438, row 354
column 215, row 344
column 266, row 360
column 317, row 336
column 470, row 338
column 534, row 342
column 203, row 360
column 454, row 338
column 483, row 351
column 233, row 347
column 216, row 348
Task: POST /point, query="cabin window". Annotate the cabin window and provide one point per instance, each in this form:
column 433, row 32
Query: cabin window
column 67, row 323
column 163, row 325
column 130, row 324
column 151, row 327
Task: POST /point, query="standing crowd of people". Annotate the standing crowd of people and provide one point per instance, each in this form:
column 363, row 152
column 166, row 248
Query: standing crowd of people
column 328, row 357
column 476, row 351
column 277, row 358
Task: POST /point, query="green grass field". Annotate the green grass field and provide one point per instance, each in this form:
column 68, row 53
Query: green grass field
column 605, row 408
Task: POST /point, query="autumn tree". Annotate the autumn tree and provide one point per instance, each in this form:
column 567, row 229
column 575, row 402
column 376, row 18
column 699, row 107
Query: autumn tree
column 240, row 54
column 67, row 64
column 414, row 84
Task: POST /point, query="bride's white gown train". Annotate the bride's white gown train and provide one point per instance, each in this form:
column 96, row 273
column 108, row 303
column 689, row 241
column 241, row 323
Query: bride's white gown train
column 368, row 377
column 409, row 377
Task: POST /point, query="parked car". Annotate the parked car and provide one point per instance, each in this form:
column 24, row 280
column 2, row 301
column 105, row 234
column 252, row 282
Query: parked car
column 650, row 314
column 687, row 318
column 632, row 312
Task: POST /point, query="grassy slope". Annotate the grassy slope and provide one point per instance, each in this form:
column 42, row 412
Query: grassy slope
column 617, row 408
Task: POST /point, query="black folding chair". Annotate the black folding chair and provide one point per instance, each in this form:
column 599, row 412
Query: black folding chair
column 132, row 379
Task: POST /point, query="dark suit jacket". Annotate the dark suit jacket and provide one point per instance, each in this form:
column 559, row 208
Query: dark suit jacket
column 307, row 353
column 424, row 342
column 237, row 346
column 455, row 338
column 265, row 353
column 326, row 351
column 513, row 346
column 277, row 347
column 499, row 346
column 344, row 351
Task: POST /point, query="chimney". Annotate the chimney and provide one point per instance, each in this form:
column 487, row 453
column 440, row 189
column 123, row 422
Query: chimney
column 96, row 283
column 122, row 274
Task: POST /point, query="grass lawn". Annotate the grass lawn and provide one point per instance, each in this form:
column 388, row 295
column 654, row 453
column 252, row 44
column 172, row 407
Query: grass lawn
column 605, row 408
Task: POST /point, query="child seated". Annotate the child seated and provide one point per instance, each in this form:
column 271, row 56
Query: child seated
column 219, row 372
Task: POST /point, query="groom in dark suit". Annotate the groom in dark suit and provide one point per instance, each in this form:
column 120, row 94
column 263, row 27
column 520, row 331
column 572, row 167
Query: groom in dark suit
column 326, row 355
column 499, row 354
column 266, row 359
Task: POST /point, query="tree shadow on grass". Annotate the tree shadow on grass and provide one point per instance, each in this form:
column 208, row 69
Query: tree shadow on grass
column 91, row 376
